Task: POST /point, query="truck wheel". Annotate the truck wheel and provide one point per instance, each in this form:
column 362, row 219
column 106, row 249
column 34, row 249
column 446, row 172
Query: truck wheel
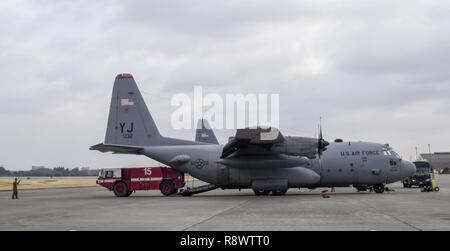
column 167, row 188
column 378, row 188
column 261, row 192
column 279, row 192
column 120, row 189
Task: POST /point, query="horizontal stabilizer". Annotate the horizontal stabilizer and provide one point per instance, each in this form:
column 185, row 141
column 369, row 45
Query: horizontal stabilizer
column 117, row 149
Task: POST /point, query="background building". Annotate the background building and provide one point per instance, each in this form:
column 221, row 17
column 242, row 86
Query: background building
column 439, row 160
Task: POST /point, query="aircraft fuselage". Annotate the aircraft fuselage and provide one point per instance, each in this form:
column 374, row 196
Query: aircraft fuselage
column 342, row 164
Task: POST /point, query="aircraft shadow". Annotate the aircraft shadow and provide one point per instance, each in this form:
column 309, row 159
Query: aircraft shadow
column 241, row 195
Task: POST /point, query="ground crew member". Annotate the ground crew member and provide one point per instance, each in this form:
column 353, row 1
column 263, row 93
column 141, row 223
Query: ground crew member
column 15, row 184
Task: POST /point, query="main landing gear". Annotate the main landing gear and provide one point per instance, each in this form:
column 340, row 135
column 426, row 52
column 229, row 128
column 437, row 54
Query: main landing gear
column 267, row 192
column 379, row 188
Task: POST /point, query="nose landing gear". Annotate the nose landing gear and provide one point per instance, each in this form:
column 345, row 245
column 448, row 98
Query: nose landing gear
column 261, row 192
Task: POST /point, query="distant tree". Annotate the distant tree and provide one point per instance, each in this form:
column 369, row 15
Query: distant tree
column 47, row 172
column 75, row 172
column 3, row 171
column 93, row 172
column 42, row 172
column 84, row 173
column 59, row 171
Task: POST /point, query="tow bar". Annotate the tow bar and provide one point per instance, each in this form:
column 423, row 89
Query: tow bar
column 195, row 190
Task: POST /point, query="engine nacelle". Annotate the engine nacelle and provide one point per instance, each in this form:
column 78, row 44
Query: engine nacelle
column 297, row 146
column 264, row 162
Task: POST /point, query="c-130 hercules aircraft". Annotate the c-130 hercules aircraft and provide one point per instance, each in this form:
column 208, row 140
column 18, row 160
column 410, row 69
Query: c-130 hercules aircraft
column 258, row 158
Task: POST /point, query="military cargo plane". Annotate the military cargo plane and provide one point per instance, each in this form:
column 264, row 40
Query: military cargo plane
column 258, row 158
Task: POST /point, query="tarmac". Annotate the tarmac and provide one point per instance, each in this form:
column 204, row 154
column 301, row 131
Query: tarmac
column 98, row 209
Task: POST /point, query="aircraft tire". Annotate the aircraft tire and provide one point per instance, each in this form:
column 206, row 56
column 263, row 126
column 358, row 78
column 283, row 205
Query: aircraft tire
column 167, row 188
column 279, row 192
column 121, row 189
column 379, row 188
column 261, row 192
column 436, row 189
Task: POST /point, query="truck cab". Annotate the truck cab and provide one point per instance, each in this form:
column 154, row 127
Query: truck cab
column 422, row 177
column 109, row 174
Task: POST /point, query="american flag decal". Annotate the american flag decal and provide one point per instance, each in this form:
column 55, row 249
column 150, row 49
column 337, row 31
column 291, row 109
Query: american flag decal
column 126, row 102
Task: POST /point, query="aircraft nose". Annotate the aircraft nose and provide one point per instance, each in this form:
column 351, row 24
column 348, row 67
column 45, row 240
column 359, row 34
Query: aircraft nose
column 408, row 168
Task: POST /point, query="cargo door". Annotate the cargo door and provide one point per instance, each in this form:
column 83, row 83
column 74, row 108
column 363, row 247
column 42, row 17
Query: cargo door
column 223, row 176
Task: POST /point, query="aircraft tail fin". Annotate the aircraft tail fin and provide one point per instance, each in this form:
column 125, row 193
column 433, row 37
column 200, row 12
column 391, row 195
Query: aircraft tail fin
column 130, row 122
column 204, row 133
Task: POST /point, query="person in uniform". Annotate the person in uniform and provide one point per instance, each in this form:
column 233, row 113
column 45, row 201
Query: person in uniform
column 15, row 193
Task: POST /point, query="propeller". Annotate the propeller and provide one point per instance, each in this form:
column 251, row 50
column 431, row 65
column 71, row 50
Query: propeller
column 322, row 143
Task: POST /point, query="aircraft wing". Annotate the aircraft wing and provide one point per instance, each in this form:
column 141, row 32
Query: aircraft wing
column 260, row 148
column 117, row 149
column 253, row 141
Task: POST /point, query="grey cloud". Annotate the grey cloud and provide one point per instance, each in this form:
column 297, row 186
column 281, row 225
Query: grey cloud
column 206, row 18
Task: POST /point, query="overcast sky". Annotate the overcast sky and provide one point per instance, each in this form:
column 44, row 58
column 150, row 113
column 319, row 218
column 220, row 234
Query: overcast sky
column 376, row 71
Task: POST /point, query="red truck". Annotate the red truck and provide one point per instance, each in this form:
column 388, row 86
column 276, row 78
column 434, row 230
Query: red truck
column 123, row 181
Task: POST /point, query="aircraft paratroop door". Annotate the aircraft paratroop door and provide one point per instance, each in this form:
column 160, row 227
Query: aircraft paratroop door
column 223, row 176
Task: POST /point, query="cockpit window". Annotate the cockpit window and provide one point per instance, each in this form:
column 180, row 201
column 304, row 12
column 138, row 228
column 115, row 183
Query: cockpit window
column 388, row 151
column 106, row 174
column 109, row 174
column 394, row 153
column 423, row 170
